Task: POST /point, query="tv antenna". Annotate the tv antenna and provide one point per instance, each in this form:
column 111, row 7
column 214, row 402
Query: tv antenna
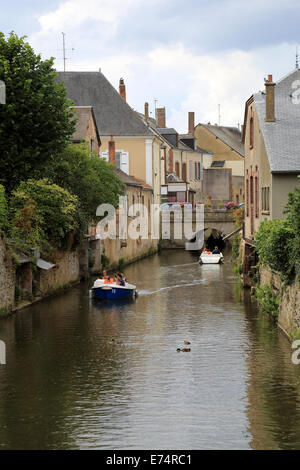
column 64, row 50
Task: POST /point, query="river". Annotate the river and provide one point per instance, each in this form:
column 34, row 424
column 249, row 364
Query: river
column 86, row 375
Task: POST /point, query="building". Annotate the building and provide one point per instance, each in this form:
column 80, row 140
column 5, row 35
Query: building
column 181, row 162
column 271, row 137
column 137, row 148
column 86, row 128
column 223, row 162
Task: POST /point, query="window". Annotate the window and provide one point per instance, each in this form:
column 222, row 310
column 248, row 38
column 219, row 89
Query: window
column 251, row 133
column 247, row 197
column 256, row 197
column 265, row 199
column 118, row 159
column 177, row 168
column 251, row 190
column 196, row 171
column 92, row 145
column 191, row 171
column 184, row 171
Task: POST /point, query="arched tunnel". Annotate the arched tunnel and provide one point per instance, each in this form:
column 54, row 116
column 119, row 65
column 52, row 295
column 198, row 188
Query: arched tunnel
column 214, row 238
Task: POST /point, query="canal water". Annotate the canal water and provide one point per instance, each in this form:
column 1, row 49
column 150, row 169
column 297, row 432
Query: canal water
column 86, row 375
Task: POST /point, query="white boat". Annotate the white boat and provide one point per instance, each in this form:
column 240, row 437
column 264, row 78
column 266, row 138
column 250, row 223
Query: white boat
column 206, row 258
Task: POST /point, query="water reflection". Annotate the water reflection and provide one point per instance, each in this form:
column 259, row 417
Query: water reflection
column 83, row 374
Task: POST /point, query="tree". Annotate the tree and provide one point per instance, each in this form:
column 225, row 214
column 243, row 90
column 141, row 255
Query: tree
column 91, row 179
column 36, row 121
column 3, row 210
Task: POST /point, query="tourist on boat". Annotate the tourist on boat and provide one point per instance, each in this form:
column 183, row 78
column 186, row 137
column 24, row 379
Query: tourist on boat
column 216, row 251
column 120, row 280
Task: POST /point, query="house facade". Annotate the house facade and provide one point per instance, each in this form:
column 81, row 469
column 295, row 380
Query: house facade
column 137, row 148
column 224, row 151
column 271, row 137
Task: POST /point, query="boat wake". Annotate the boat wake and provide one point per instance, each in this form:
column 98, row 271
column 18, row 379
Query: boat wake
column 145, row 292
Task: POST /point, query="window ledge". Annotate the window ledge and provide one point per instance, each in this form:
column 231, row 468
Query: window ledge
column 265, row 212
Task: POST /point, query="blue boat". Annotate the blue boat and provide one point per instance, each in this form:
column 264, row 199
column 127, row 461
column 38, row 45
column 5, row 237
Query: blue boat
column 113, row 291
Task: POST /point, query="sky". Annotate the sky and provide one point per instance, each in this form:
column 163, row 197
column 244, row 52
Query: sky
column 188, row 55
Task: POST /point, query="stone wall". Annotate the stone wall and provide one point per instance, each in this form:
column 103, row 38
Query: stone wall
column 7, row 278
column 289, row 307
column 66, row 272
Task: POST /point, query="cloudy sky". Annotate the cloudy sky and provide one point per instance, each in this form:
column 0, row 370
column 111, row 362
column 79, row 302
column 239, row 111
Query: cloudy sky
column 189, row 55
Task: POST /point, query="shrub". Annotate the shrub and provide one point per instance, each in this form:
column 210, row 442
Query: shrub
column 274, row 242
column 268, row 300
column 43, row 214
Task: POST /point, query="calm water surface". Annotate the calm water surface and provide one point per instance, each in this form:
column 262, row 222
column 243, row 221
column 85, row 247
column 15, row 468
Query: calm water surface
column 67, row 385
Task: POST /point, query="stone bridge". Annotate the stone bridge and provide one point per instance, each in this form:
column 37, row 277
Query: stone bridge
column 176, row 227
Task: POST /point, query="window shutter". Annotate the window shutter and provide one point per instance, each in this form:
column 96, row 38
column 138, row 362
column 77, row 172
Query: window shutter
column 201, row 172
column 125, row 162
column 104, row 155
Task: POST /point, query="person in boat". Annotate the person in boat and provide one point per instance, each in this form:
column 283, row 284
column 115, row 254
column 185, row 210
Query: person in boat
column 216, row 251
column 120, row 281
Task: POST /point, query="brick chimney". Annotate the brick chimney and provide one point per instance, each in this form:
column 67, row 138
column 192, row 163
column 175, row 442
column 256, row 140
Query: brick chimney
column 161, row 117
column 191, row 123
column 112, row 150
column 270, row 99
column 146, row 111
column 122, row 89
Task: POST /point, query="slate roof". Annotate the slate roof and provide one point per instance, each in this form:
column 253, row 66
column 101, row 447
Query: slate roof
column 113, row 115
column 131, row 180
column 83, row 114
column 282, row 137
column 231, row 136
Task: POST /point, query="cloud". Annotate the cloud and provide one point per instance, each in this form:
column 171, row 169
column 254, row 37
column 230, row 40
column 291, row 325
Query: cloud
column 188, row 58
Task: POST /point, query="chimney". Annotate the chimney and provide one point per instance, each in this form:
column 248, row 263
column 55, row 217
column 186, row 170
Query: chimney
column 122, row 89
column 161, row 117
column 191, row 123
column 112, row 150
column 270, row 99
column 146, row 111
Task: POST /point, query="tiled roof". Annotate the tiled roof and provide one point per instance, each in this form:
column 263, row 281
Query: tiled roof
column 113, row 115
column 282, row 137
column 231, row 136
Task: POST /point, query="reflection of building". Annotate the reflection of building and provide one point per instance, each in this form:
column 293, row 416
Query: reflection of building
column 226, row 155
column 272, row 161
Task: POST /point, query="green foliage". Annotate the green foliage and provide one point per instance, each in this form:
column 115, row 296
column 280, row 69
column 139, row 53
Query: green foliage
column 92, row 180
column 274, row 244
column 3, row 210
column 293, row 218
column 268, row 300
column 278, row 241
column 43, row 214
column 35, row 122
